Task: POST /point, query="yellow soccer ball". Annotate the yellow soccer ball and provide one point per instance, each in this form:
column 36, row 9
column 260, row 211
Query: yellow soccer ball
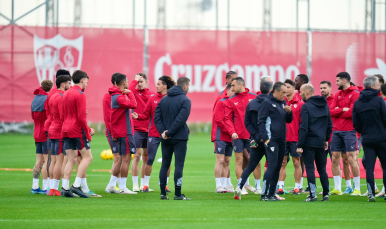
column 104, row 155
column 110, row 154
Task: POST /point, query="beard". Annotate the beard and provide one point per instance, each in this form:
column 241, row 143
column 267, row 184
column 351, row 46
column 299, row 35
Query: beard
column 340, row 87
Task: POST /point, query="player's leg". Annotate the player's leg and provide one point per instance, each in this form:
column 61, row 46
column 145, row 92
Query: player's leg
column 219, row 166
column 54, row 155
column 226, row 174
column 321, row 162
column 136, row 159
column 337, row 146
column 278, row 149
column 152, row 147
column 309, row 158
column 167, row 154
column 144, row 136
column 37, row 168
column 347, row 173
column 246, row 156
column 127, row 148
column 58, row 168
column 371, row 156
column 282, row 176
column 45, row 172
column 381, row 153
column 72, row 154
column 180, row 148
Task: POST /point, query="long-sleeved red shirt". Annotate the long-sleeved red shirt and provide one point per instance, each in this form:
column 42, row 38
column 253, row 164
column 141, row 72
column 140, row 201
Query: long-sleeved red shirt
column 47, row 124
column 106, row 105
column 39, row 115
column 292, row 134
column 342, row 99
column 148, row 113
column 329, row 103
column 56, row 113
column 235, row 113
column 74, row 114
column 141, row 96
column 121, row 122
column 220, row 131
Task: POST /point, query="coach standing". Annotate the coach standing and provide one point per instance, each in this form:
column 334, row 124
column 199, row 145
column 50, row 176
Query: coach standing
column 369, row 119
column 314, row 133
column 272, row 118
column 170, row 119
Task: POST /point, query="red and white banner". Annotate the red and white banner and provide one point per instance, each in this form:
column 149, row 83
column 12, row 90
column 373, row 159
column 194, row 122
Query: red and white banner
column 29, row 55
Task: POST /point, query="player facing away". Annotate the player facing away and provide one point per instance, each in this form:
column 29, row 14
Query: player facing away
column 76, row 134
column 164, row 83
column 39, row 117
column 170, row 118
column 122, row 131
column 139, row 87
column 63, row 83
column 222, row 145
column 234, row 120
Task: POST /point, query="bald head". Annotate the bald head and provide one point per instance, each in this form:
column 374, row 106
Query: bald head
column 306, row 91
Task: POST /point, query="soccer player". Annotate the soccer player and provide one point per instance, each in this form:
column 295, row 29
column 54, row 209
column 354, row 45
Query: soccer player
column 257, row 147
column 139, row 86
column 122, row 130
column 164, row 83
column 314, row 132
column 292, row 137
column 228, row 79
column 170, row 118
column 369, row 119
column 39, row 116
column 325, row 90
column 234, row 120
column 272, row 118
column 63, row 83
column 75, row 133
column 343, row 135
column 222, row 145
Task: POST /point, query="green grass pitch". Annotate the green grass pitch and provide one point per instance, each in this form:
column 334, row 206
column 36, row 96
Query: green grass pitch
column 20, row 209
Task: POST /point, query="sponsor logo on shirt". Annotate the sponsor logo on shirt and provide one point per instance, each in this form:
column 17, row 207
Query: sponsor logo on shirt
column 156, row 101
column 250, row 100
column 237, row 103
column 272, row 149
column 273, row 105
column 295, row 105
column 140, row 93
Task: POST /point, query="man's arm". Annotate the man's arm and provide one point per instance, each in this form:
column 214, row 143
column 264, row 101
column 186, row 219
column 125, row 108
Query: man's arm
column 329, row 127
column 303, row 127
column 348, row 114
column 219, row 115
column 264, row 111
column 127, row 101
column 250, row 123
column 81, row 113
column 146, row 112
column 335, row 112
column 133, row 84
column 228, row 118
column 158, row 121
column 181, row 118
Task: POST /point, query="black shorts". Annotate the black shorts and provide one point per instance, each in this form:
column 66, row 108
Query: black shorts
column 152, row 147
column 76, row 143
column 113, row 145
column 290, row 149
column 41, row 148
column 57, row 147
column 240, row 144
column 343, row 141
column 222, row 147
column 126, row 145
column 141, row 139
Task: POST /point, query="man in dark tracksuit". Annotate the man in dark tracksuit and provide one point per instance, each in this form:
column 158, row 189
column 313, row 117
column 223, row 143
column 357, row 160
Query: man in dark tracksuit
column 369, row 119
column 170, row 120
column 272, row 118
column 257, row 151
column 314, row 133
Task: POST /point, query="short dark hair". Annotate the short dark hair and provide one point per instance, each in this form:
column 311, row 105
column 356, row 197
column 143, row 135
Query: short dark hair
column 277, row 86
column 326, row 82
column 46, row 85
column 303, row 77
column 352, row 84
column 182, row 81
column 78, row 76
column 62, row 79
column 290, row 82
column 119, row 78
column 113, row 78
column 143, row 75
column 230, row 73
column 229, row 86
column 380, row 78
column 266, row 87
column 383, row 89
column 61, row 72
column 168, row 81
column 344, row 75
column 239, row 80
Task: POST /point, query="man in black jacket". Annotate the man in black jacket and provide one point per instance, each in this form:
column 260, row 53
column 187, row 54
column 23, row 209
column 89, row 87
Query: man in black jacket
column 257, row 147
column 170, row 118
column 314, row 132
column 369, row 119
column 272, row 118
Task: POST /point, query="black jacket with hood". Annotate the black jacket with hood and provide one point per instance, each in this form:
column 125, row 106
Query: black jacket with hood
column 251, row 116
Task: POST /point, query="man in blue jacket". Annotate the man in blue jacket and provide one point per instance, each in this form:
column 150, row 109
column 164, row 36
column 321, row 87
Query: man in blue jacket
column 170, row 119
column 369, row 119
column 257, row 147
column 272, row 118
column 314, row 132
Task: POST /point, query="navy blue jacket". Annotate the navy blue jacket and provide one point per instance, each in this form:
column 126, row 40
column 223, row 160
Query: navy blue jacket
column 171, row 114
column 315, row 126
column 251, row 116
column 272, row 119
column 369, row 116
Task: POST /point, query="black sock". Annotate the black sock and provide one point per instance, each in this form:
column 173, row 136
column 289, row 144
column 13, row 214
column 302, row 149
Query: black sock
column 178, row 190
column 163, row 191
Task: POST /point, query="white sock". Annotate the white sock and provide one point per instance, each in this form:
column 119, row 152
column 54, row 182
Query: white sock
column 35, row 183
column 223, row 182
column 257, row 183
column 167, row 180
column 301, row 182
column 383, row 188
column 55, row 184
column 118, row 181
column 218, row 182
column 340, row 183
column 375, row 184
column 142, row 182
column 229, row 182
column 348, row 183
column 297, row 185
column 77, row 182
column 281, row 184
column 122, row 185
column 146, row 180
column 85, row 188
column 135, row 180
column 113, row 180
column 336, row 182
column 66, row 184
column 49, row 183
column 357, row 183
column 247, row 182
column 45, row 184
